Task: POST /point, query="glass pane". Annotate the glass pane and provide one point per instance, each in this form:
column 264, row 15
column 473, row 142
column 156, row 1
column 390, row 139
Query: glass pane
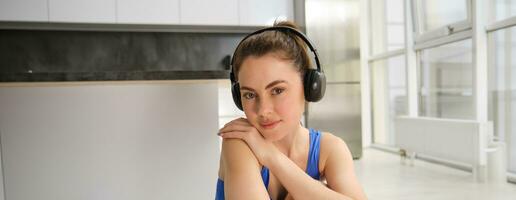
column 501, row 9
column 446, row 81
column 438, row 13
column 387, row 26
column 502, row 89
column 389, row 93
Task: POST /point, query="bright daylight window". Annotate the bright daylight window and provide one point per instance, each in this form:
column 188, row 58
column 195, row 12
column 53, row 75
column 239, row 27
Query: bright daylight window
column 501, row 9
column 446, row 81
column 388, row 80
column 387, row 69
column 502, row 89
column 387, row 26
column 438, row 13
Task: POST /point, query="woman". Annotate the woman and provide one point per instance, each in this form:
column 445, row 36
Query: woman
column 269, row 154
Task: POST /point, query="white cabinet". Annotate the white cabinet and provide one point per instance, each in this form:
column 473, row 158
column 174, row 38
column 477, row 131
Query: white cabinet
column 148, row 12
column 91, row 11
column 209, row 12
column 188, row 12
column 264, row 12
column 23, row 10
column 112, row 141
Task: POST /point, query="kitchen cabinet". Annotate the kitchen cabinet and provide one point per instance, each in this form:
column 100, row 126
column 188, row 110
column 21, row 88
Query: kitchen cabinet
column 118, row 141
column 148, row 12
column 24, row 10
column 170, row 12
column 81, row 11
column 264, row 12
column 209, row 12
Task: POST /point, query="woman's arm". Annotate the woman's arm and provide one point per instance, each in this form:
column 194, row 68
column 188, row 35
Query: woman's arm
column 339, row 169
column 242, row 178
column 294, row 179
column 339, row 173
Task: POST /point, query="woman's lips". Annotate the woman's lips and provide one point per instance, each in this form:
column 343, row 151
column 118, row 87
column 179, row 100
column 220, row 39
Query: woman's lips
column 270, row 125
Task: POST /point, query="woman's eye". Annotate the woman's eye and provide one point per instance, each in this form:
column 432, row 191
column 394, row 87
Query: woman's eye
column 248, row 95
column 276, row 91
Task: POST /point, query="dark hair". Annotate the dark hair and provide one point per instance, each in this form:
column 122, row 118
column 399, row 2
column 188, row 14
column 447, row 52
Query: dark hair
column 287, row 45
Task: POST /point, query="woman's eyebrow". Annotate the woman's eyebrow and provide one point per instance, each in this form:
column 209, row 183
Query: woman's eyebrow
column 273, row 83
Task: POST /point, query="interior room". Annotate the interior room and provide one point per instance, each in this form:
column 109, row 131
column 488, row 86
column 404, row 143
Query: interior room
column 127, row 99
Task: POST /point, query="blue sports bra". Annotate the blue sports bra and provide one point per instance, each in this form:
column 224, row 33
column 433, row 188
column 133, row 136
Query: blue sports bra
column 312, row 165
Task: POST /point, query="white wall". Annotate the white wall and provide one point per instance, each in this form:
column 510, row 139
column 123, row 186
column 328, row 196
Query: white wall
column 118, row 142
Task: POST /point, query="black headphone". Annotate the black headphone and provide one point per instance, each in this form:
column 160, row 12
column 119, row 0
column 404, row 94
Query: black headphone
column 314, row 82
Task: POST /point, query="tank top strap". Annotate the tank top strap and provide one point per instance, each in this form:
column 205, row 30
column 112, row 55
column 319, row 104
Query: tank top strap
column 265, row 176
column 312, row 163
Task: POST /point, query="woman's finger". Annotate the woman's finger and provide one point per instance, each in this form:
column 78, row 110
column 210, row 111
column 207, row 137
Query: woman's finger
column 242, row 121
column 235, row 127
column 238, row 123
column 234, row 134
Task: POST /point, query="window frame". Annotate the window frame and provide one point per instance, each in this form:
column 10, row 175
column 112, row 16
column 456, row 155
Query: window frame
column 442, row 31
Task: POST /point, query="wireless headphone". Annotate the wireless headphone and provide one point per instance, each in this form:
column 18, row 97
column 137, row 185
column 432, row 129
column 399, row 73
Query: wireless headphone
column 314, row 82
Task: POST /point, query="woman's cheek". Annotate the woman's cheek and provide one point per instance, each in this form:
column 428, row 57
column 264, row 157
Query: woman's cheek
column 287, row 107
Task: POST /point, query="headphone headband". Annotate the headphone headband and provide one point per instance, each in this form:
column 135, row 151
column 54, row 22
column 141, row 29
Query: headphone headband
column 285, row 29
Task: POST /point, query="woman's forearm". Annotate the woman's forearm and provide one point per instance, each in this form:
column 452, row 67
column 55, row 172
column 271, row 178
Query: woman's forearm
column 299, row 185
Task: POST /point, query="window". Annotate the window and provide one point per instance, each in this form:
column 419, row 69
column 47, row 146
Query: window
column 387, row 68
column 501, row 9
column 446, row 81
column 441, row 18
column 438, row 13
column 387, row 26
column 502, row 89
column 389, row 97
column 443, row 60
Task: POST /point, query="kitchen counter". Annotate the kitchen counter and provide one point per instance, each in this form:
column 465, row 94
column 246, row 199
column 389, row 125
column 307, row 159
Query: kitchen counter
column 112, row 76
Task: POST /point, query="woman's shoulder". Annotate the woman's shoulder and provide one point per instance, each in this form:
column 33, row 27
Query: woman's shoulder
column 235, row 156
column 328, row 140
column 329, row 144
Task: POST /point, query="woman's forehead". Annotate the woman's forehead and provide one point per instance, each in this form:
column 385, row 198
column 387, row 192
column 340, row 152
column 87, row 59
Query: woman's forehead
column 265, row 69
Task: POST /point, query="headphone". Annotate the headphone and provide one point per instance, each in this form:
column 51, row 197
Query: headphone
column 314, row 82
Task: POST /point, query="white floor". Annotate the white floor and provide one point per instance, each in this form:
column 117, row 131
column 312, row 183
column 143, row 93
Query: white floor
column 384, row 177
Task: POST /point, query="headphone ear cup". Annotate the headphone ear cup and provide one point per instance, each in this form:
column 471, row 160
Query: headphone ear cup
column 314, row 85
column 306, row 84
column 235, row 91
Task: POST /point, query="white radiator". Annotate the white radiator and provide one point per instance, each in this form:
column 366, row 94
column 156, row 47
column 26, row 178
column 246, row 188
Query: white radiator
column 459, row 141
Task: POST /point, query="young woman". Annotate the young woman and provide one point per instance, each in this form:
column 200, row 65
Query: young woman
column 269, row 154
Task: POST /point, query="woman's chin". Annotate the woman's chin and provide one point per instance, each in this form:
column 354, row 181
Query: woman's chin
column 273, row 135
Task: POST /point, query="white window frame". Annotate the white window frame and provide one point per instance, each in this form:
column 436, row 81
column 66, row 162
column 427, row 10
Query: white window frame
column 443, row 31
column 489, row 29
column 415, row 41
column 455, row 32
column 475, row 28
column 368, row 58
column 501, row 24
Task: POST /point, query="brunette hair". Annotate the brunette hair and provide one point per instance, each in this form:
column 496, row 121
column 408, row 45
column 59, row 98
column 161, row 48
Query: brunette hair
column 286, row 45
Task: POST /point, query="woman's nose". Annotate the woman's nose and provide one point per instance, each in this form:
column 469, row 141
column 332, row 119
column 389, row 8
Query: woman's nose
column 265, row 107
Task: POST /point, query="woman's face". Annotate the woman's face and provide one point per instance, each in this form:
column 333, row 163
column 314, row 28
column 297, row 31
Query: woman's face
column 272, row 95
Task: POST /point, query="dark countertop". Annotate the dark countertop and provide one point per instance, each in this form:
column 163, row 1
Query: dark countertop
column 112, row 76
column 71, row 55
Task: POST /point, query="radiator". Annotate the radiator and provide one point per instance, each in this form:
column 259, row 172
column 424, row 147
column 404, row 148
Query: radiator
column 459, row 141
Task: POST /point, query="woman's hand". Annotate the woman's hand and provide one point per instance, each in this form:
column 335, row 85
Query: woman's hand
column 241, row 129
